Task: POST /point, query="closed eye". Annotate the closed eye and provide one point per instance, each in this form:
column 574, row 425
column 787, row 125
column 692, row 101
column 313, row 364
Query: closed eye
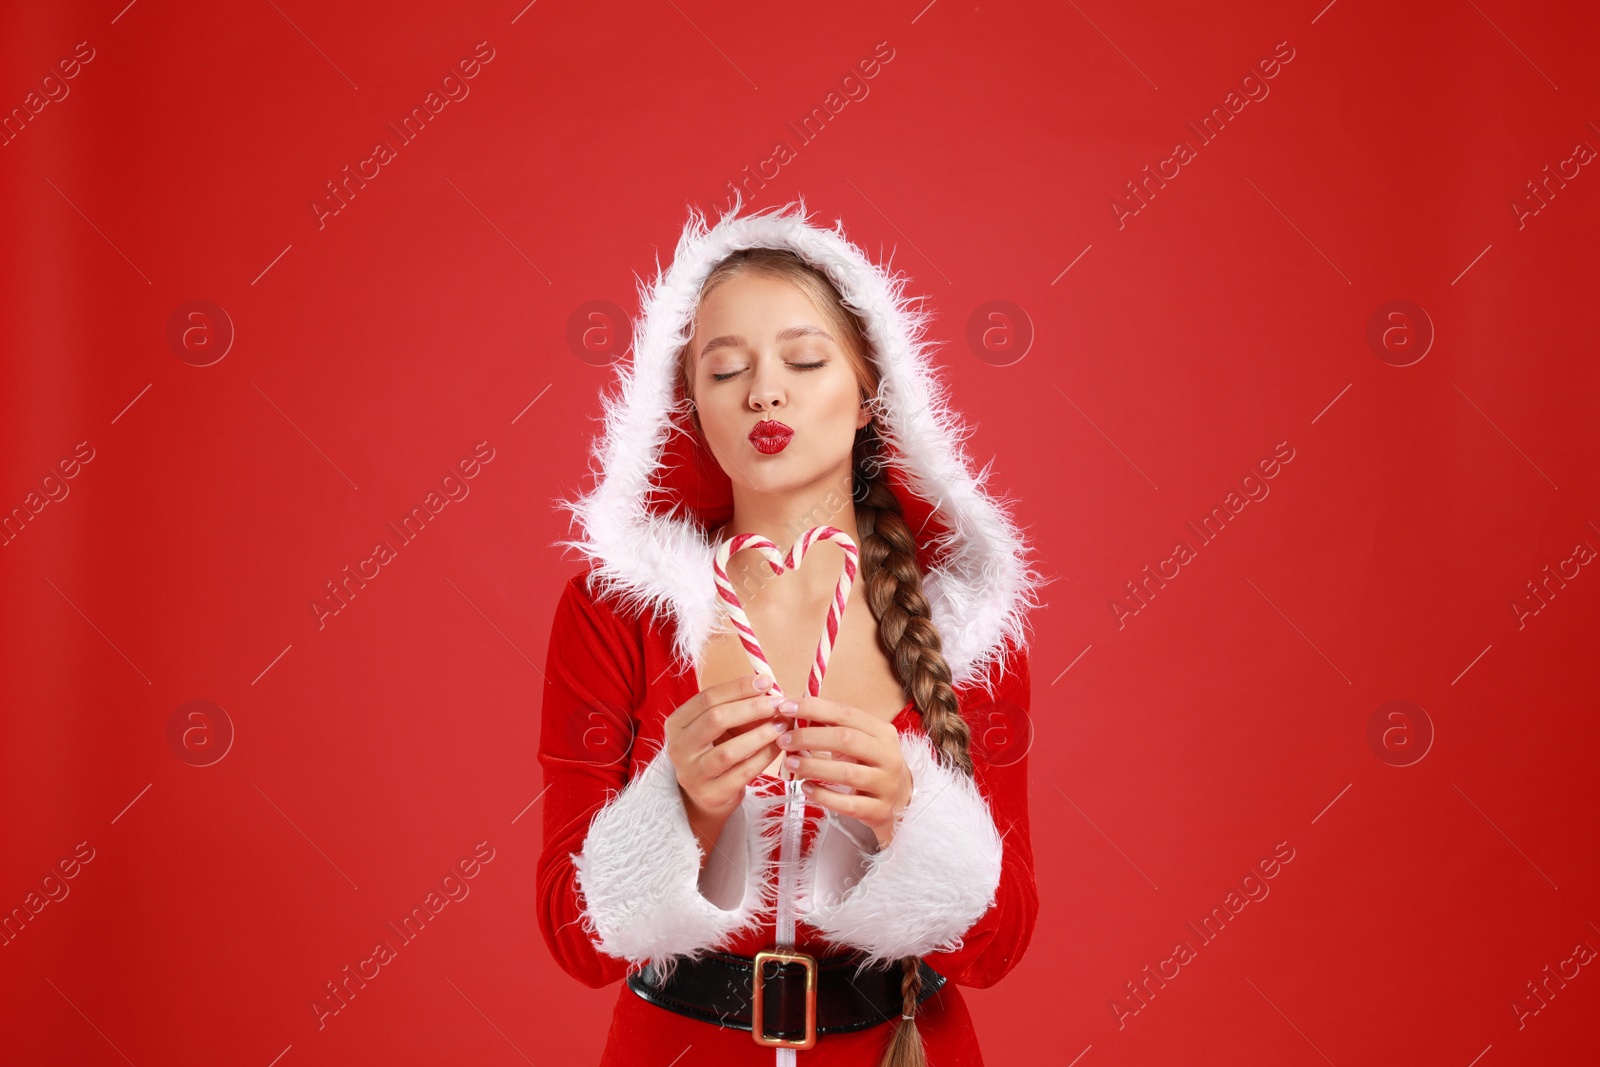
column 796, row 366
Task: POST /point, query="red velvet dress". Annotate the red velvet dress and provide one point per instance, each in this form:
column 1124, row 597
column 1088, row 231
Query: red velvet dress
column 610, row 685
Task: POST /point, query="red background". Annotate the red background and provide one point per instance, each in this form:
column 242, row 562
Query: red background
column 1172, row 750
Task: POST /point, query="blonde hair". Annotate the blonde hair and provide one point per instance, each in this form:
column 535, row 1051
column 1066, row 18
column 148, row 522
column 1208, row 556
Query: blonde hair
column 892, row 582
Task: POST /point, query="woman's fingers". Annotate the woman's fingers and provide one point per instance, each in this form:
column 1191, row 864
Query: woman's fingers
column 817, row 709
column 743, row 773
column 715, row 710
column 858, row 776
column 732, row 754
column 835, row 740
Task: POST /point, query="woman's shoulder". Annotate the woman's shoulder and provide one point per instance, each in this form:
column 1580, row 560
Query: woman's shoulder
column 1004, row 674
column 587, row 594
column 595, row 649
column 586, row 585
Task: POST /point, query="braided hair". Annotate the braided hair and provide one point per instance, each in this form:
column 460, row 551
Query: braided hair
column 908, row 636
column 892, row 581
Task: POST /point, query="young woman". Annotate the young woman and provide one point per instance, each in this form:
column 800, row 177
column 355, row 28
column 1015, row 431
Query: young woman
column 779, row 383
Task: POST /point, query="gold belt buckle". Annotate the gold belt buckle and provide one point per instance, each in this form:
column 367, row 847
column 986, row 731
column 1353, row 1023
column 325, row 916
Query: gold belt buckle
column 757, row 1017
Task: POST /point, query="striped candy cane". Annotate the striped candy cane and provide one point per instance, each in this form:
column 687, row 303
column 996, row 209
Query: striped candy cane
column 779, row 564
column 794, row 799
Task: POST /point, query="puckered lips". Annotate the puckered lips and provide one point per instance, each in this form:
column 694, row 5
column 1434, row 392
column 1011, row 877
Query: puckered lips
column 769, row 436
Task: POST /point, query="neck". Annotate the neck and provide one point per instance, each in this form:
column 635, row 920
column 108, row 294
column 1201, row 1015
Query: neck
column 782, row 518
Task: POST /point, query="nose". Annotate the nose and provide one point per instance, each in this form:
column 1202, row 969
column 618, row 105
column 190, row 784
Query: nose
column 766, row 389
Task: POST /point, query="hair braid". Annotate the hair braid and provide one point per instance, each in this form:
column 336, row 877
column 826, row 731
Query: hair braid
column 893, row 590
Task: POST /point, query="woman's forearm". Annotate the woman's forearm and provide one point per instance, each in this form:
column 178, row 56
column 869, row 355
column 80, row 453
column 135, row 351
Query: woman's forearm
column 707, row 826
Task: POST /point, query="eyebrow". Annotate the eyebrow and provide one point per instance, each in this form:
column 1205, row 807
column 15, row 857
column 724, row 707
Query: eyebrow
column 731, row 340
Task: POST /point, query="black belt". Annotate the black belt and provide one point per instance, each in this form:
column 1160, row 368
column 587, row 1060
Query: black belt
column 799, row 998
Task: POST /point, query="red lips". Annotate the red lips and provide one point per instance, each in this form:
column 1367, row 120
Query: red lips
column 769, row 436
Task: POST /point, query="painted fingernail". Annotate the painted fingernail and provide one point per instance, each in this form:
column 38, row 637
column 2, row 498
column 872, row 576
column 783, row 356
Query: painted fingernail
column 793, row 762
column 763, row 682
column 789, row 707
column 777, row 727
column 787, row 738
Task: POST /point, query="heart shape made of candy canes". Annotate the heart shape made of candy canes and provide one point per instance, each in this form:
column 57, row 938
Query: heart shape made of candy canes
column 780, row 563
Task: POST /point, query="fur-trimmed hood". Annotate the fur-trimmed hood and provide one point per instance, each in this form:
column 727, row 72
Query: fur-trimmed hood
column 646, row 524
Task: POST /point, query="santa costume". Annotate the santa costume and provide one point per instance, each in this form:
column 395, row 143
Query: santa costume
column 625, row 894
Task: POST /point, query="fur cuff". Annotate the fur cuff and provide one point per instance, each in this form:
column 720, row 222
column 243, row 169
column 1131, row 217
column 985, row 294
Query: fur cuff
column 639, row 878
column 934, row 881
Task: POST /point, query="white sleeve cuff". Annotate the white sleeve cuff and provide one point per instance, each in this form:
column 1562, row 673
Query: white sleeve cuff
column 644, row 894
column 837, row 861
column 934, row 881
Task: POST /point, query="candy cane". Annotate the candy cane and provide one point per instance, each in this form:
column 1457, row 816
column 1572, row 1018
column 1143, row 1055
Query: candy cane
column 794, row 802
column 779, row 564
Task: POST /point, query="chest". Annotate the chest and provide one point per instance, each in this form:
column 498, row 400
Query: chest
column 859, row 672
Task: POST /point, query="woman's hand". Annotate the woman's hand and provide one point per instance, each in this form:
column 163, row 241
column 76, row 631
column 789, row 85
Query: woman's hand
column 718, row 741
column 865, row 755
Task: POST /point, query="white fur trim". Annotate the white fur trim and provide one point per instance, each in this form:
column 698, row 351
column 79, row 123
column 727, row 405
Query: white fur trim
column 937, row 877
column 981, row 586
column 643, row 893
